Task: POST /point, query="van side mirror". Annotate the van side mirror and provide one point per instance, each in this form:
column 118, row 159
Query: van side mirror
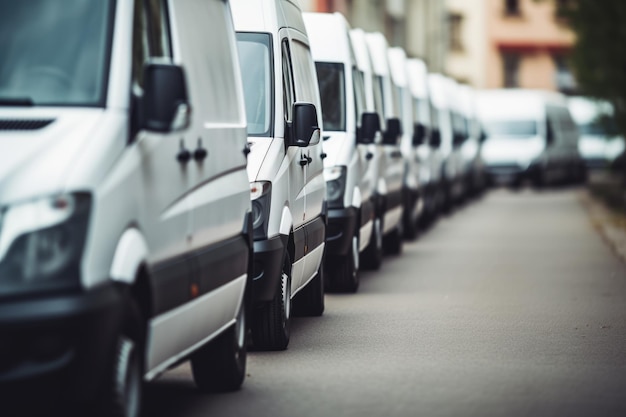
column 370, row 125
column 458, row 139
column 419, row 134
column 304, row 129
column 165, row 103
column 483, row 136
column 393, row 132
column 435, row 138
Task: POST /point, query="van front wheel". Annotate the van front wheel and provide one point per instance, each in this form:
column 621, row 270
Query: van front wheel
column 271, row 325
column 220, row 366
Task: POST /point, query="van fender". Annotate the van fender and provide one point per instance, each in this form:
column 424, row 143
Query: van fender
column 131, row 252
column 286, row 222
column 357, row 198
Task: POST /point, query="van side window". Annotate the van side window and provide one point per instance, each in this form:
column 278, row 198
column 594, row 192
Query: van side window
column 288, row 90
column 160, row 45
column 140, row 46
column 304, row 73
column 359, row 94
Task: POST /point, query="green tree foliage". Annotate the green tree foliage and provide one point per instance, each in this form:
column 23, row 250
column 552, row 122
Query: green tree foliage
column 599, row 55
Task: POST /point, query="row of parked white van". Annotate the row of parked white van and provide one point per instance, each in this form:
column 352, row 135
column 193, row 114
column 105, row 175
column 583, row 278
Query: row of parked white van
column 181, row 175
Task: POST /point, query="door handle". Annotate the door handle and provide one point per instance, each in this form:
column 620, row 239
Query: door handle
column 396, row 154
column 309, row 159
column 183, row 156
column 200, row 153
column 304, row 160
column 247, row 149
column 369, row 156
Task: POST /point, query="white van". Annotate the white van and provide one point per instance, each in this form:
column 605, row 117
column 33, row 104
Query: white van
column 599, row 143
column 412, row 200
column 424, row 127
column 449, row 138
column 124, row 200
column 350, row 171
column 285, row 166
column 530, row 135
column 391, row 162
column 473, row 169
column 372, row 256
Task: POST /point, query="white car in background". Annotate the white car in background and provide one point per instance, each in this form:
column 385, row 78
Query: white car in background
column 599, row 142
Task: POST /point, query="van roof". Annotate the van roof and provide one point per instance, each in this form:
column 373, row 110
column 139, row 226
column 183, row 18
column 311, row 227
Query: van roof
column 417, row 73
column 328, row 35
column 398, row 66
column 377, row 46
column 266, row 15
column 361, row 54
column 515, row 104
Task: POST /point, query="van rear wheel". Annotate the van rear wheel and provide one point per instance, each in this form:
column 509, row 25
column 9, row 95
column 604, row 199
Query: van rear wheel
column 343, row 271
column 271, row 323
column 220, row 366
column 372, row 256
column 309, row 302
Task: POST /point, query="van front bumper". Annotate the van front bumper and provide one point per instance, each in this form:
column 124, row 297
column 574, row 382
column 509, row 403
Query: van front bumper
column 342, row 227
column 268, row 262
column 56, row 350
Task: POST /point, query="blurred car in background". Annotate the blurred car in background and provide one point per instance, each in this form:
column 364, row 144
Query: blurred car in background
column 473, row 167
column 530, row 136
column 600, row 143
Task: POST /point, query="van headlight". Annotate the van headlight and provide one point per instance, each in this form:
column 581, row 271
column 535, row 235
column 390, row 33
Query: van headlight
column 335, row 185
column 260, row 194
column 41, row 243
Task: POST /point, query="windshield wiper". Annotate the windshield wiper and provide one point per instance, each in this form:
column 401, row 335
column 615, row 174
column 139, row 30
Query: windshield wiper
column 17, row 101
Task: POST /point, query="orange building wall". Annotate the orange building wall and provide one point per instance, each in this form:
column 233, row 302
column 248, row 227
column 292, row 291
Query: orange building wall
column 536, row 34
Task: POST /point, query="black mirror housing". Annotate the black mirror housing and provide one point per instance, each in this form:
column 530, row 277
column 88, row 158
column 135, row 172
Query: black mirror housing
column 304, row 129
column 393, row 132
column 419, row 134
column 435, row 138
column 458, row 139
column 165, row 103
column 370, row 125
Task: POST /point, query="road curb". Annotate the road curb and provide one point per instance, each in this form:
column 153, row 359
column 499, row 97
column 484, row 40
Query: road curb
column 610, row 225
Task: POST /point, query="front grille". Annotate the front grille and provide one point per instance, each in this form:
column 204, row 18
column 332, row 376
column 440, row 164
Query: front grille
column 24, row 124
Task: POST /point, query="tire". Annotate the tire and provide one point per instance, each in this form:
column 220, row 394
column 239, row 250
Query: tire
column 310, row 300
column 343, row 271
column 411, row 223
column 124, row 385
column 220, row 366
column 372, row 256
column 271, row 323
column 392, row 243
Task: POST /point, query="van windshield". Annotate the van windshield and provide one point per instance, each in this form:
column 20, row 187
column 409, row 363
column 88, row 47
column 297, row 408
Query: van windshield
column 256, row 75
column 330, row 77
column 520, row 128
column 54, row 52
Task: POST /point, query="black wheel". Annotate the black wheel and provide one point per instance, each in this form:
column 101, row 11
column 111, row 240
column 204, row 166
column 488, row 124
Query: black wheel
column 271, row 323
column 343, row 271
column 123, row 387
column 310, row 300
column 372, row 256
column 411, row 222
column 220, row 366
column 392, row 243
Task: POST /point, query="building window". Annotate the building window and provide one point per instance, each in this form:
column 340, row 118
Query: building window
column 455, row 36
column 563, row 76
column 511, row 62
column 511, row 8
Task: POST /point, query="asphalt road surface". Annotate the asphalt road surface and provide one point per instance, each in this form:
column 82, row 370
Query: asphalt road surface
column 512, row 306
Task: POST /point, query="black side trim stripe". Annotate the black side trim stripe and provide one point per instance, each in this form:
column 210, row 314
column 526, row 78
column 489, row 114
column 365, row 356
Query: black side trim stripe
column 367, row 212
column 316, row 233
column 299, row 240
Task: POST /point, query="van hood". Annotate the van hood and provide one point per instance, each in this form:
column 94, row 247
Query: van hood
column 338, row 149
column 36, row 158
column 260, row 148
column 507, row 150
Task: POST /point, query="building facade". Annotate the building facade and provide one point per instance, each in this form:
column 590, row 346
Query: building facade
column 510, row 44
column 419, row 26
